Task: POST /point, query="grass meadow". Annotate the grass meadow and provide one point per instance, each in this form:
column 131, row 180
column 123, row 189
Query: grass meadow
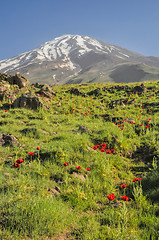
column 90, row 171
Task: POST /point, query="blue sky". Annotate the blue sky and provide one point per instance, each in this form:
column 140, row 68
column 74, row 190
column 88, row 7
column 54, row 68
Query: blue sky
column 131, row 24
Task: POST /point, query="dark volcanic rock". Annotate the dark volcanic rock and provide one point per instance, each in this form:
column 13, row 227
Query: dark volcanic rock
column 76, row 91
column 140, row 88
column 8, row 139
column 96, row 92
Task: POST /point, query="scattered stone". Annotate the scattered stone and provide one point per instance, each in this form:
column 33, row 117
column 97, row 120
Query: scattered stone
column 8, row 140
column 83, row 129
column 130, row 119
column 54, row 191
column 29, row 130
column 79, row 176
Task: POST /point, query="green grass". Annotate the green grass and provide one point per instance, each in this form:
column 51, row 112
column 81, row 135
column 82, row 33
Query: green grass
column 43, row 199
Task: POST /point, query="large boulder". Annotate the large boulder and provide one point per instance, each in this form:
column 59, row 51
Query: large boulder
column 8, row 140
column 18, row 79
column 28, row 100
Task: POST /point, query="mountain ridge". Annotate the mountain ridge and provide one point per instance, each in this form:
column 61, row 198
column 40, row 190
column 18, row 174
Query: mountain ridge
column 74, row 58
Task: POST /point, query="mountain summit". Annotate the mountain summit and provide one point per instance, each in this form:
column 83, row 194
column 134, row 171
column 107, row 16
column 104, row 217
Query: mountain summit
column 77, row 59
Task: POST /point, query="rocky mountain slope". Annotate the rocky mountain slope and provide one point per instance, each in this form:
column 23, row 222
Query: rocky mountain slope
column 77, row 59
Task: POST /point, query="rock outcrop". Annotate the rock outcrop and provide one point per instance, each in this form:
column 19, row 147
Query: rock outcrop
column 18, row 79
column 46, row 91
column 28, row 100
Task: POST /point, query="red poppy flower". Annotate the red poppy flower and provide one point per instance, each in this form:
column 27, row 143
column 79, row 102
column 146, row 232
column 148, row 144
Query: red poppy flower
column 16, row 165
column 123, row 186
column 112, row 150
column 95, row 147
column 109, row 152
column 122, row 128
column 102, row 149
column 78, row 167
column 6, row 110
column 31, row 153
column 38, row 148
column 125, row 198
column 103, row 145
column 19, row 160
column 87, row 168
column 65, row 164
column 135, row 179
column 141, row 124
column 111, row 197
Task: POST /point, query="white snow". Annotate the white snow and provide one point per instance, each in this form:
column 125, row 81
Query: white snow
column 62, row 47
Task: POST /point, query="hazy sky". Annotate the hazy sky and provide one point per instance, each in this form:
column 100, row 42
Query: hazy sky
column 131, row 24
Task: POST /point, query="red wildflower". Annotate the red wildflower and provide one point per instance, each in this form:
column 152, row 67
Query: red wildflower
column 140, row 178
column 112, row 150
column 65, row 164
column 31, row 153
column 19, row 160
column 114, row 153
column 78, row 167
column 141, row 124
column 95, row 147
column 119, row 125
column 136, row 179
column 6, row 110
column 38, row 148
column 125, row 198
column 103, row 145
column 16, row 165
column 87, row 168
column 111, row 197
column 102, row 149
column 122, row 128
column 108, row 151
column 123, row 186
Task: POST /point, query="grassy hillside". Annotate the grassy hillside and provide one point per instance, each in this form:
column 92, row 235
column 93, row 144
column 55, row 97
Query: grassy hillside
column 91, row 164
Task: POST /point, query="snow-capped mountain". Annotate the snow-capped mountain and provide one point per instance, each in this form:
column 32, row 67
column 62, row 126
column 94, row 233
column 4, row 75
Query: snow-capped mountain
column 75, row 59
